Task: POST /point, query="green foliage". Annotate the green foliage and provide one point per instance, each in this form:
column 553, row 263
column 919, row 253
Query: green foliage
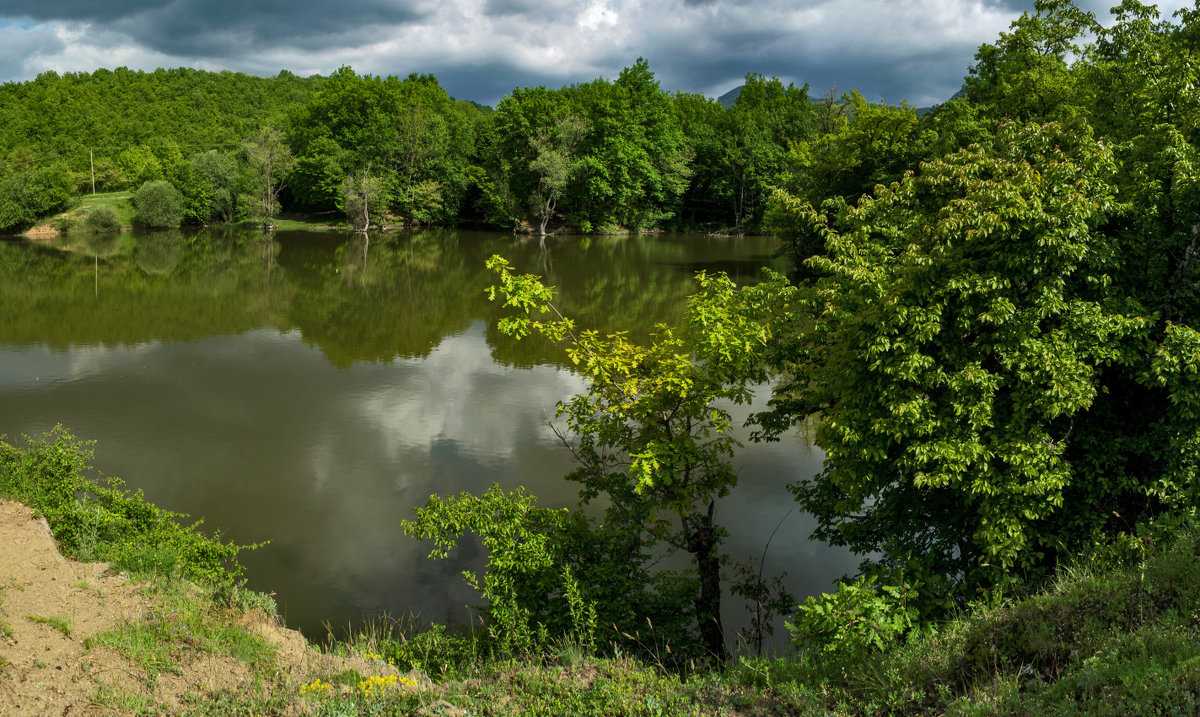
column 29, row 191
column 649, row 433
column 600, row 153
column 211, row 183
column 962, row 326
column 96, row 520
column 159, row 205
column 360, row 196
column 271, row 162
column 102, row 219
column 861, row 616
column 1026, row 74
column 519, row 539
column 538, row 132
column 1108, row 636
column 741, row 152
column 409, row 133
column 868, row 144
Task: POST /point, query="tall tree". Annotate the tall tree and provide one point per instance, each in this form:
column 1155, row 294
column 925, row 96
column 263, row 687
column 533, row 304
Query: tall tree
column 271, row 161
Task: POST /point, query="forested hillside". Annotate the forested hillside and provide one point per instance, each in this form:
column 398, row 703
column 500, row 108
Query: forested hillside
column 602, row 156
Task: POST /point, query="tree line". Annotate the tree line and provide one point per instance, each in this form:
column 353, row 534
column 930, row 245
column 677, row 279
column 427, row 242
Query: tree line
column 602, row 156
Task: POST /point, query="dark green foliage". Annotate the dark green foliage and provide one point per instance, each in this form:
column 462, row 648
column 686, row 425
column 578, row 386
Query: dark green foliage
column 603, row 155
column 409, row 133
column 158, row 118
column 961, row 331
column 159, row 205
column 102, row 219
column 999, row 345
column 740, row 152
column 100, row 520
column 29, row 191
column 210, row 184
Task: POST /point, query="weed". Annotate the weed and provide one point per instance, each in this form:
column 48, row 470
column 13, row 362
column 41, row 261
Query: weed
column 184, row 625
column 108, row 697
column 57, row 623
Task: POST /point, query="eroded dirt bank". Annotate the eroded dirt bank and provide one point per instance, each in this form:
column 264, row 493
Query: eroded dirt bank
column 50, row 606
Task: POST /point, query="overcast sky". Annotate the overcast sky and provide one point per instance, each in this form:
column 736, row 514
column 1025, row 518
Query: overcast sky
column 917, row 50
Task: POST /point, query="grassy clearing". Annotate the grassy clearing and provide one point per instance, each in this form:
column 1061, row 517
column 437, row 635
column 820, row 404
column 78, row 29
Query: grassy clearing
column 322, row 221
column 72, row 220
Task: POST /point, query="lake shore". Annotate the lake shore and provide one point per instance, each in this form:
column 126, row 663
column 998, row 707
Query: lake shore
column 59, row 618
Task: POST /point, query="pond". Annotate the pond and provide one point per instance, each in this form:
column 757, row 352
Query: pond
column 311, row 389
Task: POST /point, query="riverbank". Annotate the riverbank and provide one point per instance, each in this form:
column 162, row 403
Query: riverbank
column 83, row 638
column 72, row 220
column 144, row 632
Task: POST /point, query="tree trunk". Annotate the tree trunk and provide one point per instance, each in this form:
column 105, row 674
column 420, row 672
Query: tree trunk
column 702, row 542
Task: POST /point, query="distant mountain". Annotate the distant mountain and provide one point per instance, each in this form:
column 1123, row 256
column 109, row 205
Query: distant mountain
column 730, row 97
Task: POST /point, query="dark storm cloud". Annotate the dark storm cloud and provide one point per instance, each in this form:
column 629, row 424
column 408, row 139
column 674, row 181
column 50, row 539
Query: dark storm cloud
column 222, row 28
column 75, row 10
column 534, row 10
column 917, row 50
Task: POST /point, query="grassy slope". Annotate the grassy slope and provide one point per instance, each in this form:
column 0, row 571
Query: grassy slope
column 1113, row 635
column 122, row 202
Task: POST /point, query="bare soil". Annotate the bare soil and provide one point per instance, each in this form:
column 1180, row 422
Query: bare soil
column 46, row 672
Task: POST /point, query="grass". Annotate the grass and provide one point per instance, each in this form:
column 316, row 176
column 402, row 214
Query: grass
column 187, row 624
column 322, row 221
column 72, row 219
column 57, row 623
column 107, row 697
column 6, row 630
column 120, row 201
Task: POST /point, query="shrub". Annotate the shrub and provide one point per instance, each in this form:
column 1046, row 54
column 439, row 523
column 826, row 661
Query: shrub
column 159, row 205
column 104, row 521
column 861, row 616
column 102, row 219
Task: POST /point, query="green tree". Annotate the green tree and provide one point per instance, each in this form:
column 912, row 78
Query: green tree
column 417, row 140
column 29, row 191
column 635, row 162
column 650, row 433
column 361, row 194
column 764, row 121
column 159, row 205
column 139, row 165
column 102, row 219
column 210, row 184
column 963, row 327
column 1026, row 74
column 271, row 161
column 539, row 132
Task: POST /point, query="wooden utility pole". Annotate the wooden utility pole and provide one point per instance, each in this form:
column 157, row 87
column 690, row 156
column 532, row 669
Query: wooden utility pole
column 92, row 163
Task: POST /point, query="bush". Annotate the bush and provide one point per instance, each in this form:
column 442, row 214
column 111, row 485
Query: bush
column 102, row 219
column 159, row 205
column 94, row 520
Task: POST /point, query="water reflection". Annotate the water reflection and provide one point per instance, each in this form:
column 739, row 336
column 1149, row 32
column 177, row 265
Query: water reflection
column 311, row 389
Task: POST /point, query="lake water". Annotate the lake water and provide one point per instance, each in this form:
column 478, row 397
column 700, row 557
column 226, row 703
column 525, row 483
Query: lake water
column 311, row 389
